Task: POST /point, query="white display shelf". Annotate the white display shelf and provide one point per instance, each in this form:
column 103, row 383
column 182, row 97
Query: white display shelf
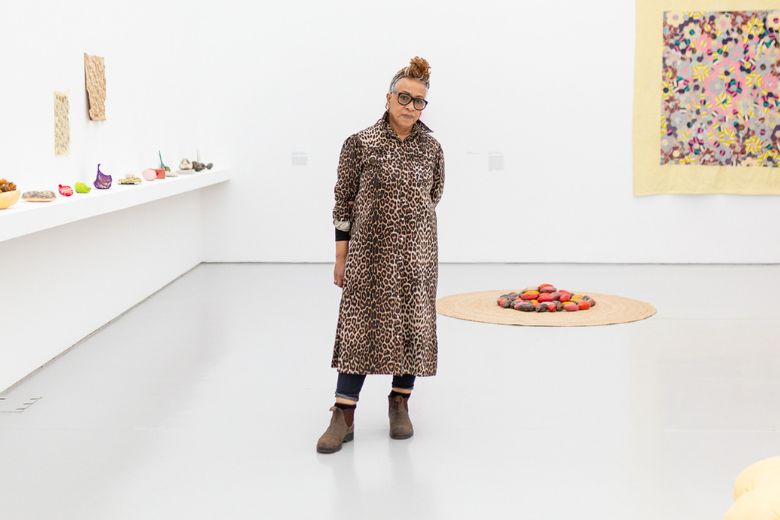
column 24, row 217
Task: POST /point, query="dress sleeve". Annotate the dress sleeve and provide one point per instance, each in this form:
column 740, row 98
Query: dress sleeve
column 347, row 186
column 438, row 178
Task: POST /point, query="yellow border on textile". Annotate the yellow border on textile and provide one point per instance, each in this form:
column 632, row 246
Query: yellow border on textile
column 650, row 177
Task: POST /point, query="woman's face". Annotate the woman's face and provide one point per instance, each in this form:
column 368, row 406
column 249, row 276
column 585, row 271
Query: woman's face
column 405, row 116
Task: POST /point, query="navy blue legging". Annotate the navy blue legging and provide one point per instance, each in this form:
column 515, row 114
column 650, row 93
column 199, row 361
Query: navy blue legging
column 348, row 386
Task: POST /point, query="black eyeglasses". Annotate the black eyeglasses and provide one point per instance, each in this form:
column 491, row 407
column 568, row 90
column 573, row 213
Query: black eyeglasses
column 404, row 98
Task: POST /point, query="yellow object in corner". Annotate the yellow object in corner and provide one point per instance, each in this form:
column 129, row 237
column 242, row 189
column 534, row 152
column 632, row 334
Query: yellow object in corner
column 760, row 504
column 756, row 475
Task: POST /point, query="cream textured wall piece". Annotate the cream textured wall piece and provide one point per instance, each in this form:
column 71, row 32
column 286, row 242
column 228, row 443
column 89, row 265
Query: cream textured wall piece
column 95, row 76
column 61, row 123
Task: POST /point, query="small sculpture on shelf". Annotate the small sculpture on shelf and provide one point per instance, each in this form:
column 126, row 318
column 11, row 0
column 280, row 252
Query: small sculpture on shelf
column 185, row 167
column 81, row 187
column 198, row 166
column 65, row 191
column 9, row 195
column 39, row 196
column 130, row 179
column 102, row 181
column 168, row 172
column 151, row 174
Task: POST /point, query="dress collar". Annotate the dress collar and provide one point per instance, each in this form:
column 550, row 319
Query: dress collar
column 419, row 126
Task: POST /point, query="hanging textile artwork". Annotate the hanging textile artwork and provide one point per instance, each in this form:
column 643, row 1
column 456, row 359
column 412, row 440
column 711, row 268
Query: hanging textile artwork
column 706, row 106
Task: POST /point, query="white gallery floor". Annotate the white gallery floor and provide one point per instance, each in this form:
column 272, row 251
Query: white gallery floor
column 206, row 401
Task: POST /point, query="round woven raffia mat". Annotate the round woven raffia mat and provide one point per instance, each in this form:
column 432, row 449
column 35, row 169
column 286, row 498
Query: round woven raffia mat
column 481, row 306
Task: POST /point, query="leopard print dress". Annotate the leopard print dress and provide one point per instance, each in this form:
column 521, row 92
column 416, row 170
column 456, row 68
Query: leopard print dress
column 386, row 196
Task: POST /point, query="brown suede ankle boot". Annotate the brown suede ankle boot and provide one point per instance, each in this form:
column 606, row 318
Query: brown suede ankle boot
column 400, row 424
column 340, row 430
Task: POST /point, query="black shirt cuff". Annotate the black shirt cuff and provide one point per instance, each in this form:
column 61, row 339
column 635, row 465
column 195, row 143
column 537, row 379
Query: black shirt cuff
column 341, row 235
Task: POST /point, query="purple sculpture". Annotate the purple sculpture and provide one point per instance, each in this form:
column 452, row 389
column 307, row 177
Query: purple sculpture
column 102, row 181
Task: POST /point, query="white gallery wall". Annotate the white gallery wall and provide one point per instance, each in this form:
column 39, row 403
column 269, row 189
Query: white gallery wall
column 61, row 284
column 547, row 85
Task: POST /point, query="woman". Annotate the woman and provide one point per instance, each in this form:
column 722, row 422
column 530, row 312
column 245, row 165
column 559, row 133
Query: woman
column 390, row 179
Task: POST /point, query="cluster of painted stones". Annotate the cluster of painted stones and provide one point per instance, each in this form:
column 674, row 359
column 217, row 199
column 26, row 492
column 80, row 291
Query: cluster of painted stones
column 546, row 298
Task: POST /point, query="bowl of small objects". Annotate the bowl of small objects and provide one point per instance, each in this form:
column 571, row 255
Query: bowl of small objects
column 546, row 298
column 9, row 195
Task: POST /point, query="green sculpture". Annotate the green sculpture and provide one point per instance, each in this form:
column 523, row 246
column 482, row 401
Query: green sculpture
column 82, row 188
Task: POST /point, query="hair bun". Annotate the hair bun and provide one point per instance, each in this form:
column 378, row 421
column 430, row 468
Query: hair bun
column 419, row 69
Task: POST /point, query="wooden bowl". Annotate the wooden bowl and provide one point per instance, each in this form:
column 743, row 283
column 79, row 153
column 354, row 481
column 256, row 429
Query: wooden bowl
column 9, row 198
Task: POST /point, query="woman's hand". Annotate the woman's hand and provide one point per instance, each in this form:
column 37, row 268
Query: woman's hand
column 338, row 271
column 342, row 249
